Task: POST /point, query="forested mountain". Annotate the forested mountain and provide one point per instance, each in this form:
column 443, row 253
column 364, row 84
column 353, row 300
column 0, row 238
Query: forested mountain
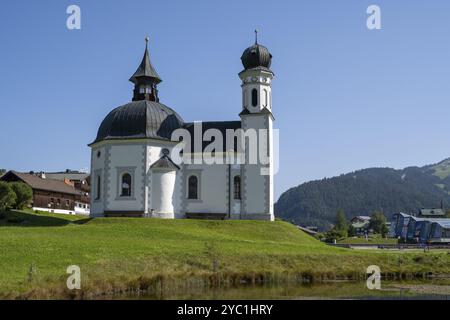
column 364, row 191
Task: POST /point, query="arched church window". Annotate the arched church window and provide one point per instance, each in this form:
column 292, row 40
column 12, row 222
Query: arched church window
column 254, row 97
column 237, row 187
column 266, row 98
column 244, row 98
column 126, row 185
column 193, row 187
column 98, row 189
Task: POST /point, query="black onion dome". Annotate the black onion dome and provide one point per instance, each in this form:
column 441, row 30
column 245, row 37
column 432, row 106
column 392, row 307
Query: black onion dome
column 256, row 56
column 139, row 119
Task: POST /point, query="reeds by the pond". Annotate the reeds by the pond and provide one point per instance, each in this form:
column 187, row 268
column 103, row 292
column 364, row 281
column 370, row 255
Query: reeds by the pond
column 165, row 286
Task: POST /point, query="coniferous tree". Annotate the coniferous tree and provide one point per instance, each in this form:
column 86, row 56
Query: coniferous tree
column 341, row 223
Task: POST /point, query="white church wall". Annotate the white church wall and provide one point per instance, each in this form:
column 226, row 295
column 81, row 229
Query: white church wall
column 177, row 195
column 154, row 153
column 128, row 158
column 254, row 190
column 257, row 187
column 212, row 189
column 97, row 168
column 262, row 83
column 270, row 177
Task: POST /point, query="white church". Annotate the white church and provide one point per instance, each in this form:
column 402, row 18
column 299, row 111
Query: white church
column 133, row 170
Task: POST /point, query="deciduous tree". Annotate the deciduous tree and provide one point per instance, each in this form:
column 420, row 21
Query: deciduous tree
column 378, row 223
column 24, row 195
column 7, row 196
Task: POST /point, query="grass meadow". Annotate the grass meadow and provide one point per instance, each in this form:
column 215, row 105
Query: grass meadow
column 128, row 254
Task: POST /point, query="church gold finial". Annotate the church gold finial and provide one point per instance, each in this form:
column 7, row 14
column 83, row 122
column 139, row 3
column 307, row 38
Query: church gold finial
column 256, row 36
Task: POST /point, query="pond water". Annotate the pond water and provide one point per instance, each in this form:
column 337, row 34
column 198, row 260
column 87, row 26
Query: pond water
column 429, row 290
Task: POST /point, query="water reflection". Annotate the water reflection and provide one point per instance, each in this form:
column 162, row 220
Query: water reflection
column 434, row 290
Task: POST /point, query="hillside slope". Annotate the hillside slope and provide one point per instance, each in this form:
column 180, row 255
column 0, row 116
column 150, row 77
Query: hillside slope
column 361, row 192
column 120, row 254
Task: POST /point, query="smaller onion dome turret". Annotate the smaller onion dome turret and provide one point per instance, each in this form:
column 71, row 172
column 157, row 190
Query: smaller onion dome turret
column 256, row 56
column 144, row 117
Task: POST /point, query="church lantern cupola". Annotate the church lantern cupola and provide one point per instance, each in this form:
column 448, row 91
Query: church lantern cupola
column 145, row 79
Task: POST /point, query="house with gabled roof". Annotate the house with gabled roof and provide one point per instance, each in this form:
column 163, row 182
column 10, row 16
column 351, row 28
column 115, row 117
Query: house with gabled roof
column 51, row 195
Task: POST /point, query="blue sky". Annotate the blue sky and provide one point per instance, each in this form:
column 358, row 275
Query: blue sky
column 344, row 97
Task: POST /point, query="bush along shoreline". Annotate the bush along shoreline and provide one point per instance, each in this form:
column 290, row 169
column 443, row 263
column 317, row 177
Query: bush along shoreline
column 165, row 286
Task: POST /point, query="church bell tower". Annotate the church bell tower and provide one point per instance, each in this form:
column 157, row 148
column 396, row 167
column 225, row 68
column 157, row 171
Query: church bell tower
column 257, row 116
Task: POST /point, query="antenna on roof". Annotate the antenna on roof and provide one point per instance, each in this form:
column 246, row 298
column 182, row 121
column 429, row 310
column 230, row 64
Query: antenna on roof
column 256, row 36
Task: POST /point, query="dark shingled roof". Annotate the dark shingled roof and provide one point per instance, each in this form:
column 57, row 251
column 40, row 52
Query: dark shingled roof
column 145, row 70
column 222, row 126
column 139, row 119
column 264, row 110
column 165, row 163
column 38, row 183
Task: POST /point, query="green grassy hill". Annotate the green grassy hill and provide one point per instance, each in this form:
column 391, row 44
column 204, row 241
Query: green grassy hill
column 371, row 240
column 120, row 253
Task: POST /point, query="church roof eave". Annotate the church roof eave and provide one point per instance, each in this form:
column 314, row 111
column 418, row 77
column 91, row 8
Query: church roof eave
column 165, row 164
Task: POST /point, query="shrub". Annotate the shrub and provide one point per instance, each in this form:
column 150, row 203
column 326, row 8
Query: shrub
column 15, row 220
column 351, row 230
column 320, row 236
column 213, row 254
column 24, row 194
column 332, row 235
column 7, row 196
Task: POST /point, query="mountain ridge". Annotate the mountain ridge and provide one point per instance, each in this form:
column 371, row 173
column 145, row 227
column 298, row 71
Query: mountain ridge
column 363, row 191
